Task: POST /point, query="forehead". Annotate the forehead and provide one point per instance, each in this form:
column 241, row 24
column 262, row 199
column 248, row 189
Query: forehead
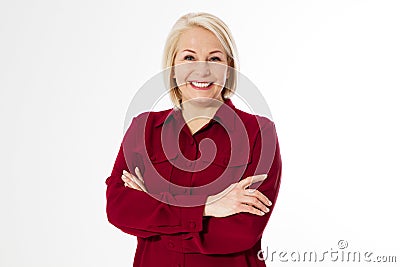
column 198, row 38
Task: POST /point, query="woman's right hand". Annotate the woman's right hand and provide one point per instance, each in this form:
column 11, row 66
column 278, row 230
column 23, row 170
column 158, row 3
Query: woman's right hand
column 236, row 198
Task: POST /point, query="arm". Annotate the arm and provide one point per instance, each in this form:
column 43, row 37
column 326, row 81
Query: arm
column 138, row 213
column 240, row 231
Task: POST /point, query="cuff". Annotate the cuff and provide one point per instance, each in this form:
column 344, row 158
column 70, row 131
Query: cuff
column 192, row 213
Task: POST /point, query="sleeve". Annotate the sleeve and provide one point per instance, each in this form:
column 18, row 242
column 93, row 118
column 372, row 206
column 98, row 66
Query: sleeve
column 241, row 231
column 138, row 213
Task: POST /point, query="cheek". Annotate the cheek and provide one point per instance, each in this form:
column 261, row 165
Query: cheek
column 220, row 73
column 181, row 74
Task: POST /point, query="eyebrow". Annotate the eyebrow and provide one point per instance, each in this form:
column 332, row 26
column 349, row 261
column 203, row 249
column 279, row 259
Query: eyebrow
column 212, row 52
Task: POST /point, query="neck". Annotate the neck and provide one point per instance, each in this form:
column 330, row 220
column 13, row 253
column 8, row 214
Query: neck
column 192, row 110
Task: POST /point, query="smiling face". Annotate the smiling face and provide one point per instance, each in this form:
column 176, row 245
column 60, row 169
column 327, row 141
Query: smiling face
column 200, row 66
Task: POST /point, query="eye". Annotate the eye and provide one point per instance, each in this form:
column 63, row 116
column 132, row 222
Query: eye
column 188, row 57
column 215, row 59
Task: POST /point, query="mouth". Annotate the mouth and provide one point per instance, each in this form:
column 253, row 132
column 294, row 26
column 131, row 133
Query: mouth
column 201, row 85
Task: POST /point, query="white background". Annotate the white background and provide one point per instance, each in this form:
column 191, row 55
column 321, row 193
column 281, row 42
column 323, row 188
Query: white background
column 329, row 71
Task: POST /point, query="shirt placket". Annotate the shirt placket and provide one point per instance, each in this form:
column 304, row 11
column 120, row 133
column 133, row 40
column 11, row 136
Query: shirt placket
column 174, row 243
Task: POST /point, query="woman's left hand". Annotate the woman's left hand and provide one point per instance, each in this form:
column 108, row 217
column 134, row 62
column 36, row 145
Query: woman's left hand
column 134, row 182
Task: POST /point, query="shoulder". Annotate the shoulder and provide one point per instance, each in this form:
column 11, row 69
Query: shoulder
column 144, row 124
column 152, row 118
column 254, row 122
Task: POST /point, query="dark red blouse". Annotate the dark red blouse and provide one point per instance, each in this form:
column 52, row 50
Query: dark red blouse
column 180, row 170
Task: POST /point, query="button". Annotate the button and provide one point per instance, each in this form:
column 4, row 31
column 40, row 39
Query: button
column 153, row 157
column 192, row 224
column 171, row 244
column 191, row 141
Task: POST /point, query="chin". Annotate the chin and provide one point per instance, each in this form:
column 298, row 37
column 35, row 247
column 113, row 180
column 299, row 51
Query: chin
column 202, row 96
column 204, row 101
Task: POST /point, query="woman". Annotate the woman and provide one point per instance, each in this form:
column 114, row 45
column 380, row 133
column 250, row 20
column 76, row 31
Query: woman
column 180, row 181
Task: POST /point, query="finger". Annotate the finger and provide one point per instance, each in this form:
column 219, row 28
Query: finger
column 124, row 179
column 132, row 177
column 255, row 202
column 136, row 180
column 127, row 174
column 139, row 183
column 129, row 183
column 135, row 186
column 259, row 195
column 139, row 174
column 251, row 209
column 259, row 178
column 245, row 182
column 130, row 186
column 252, row 179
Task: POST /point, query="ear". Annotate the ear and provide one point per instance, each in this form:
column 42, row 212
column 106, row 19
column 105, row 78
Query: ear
column 229, row 69
column 173, row 72
column 228, row 72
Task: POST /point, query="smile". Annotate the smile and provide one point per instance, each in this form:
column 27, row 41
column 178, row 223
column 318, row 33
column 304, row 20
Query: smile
column 201, row 85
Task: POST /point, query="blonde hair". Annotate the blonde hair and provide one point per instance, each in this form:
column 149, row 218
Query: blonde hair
column 220, row 30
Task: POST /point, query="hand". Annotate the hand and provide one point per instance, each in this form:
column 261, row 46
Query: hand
column 236, row 198
column 132, row 181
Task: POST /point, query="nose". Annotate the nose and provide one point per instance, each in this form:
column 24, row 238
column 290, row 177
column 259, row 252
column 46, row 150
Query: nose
column 202, row 68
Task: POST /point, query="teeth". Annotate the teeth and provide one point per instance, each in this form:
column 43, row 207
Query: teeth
column 201, row 84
